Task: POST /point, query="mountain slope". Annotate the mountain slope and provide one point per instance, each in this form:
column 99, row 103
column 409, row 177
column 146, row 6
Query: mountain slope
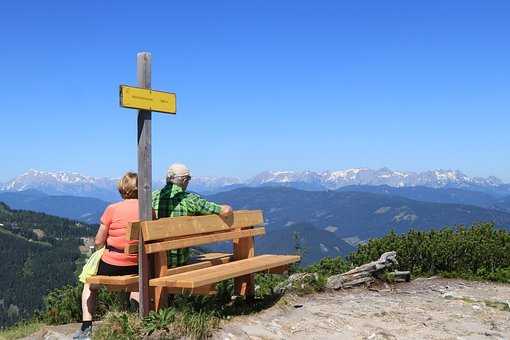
column 85, row 209
column 426, row 194
column 315, row 243
column 354, row 214
column 39, row 253
column 503, row 204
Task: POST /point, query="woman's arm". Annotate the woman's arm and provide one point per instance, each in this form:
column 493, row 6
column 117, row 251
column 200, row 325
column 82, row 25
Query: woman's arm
column 101, row 236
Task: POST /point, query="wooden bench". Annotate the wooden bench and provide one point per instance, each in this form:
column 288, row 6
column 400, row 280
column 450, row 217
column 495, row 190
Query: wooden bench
column 200, row 276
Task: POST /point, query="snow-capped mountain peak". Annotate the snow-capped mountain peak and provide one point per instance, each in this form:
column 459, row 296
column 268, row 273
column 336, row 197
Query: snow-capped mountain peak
column 63, row 183
column 73, row 183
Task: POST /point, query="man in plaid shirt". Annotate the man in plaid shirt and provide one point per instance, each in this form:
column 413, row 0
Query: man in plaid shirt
column 173, row 200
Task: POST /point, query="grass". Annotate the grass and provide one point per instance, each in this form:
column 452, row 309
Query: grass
column 21, row 330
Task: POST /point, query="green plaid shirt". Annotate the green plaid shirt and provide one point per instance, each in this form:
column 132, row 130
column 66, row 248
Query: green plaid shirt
column 172, row 201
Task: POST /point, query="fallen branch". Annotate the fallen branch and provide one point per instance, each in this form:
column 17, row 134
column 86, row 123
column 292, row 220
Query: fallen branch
column 368, row 273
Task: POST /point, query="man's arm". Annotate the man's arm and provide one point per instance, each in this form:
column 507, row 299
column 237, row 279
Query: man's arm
column 226, row 210
column 205, row 207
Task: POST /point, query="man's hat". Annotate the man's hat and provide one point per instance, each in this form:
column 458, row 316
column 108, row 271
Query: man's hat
column 178, row 170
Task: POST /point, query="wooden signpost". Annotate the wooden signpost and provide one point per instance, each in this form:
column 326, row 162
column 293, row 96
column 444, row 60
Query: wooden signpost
column 145, row 100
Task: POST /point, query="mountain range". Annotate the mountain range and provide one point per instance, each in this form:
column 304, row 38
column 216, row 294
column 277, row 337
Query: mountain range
column 70, row 183
column 84, row 209
column 355, row 216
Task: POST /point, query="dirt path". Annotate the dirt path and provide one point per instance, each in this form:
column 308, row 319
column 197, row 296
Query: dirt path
column 422, row 309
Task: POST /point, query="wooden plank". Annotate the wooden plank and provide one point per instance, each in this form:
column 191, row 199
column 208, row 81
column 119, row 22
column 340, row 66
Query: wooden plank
column 244, row 248
column 128, row 288
column 202, row 277
column 160, row 269
column 131, row 249
column 113, row 280
column 188, row 268
column 144, row 71
column 209, row 257
column 133, row 230
column 205, row 290
column 190, row 225
column 151, row 248
column 118, row 283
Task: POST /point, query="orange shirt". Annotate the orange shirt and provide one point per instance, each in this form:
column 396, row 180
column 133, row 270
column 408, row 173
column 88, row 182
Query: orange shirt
column 116, row 218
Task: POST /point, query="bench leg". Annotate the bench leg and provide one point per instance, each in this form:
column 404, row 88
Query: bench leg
column 244, row 285
column 160, row 269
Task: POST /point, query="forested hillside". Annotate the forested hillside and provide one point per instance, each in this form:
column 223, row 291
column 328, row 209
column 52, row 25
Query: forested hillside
column 39, row 253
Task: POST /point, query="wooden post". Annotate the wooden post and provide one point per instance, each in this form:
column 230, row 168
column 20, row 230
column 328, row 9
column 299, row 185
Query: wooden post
column 244, row 285
column 143, row 68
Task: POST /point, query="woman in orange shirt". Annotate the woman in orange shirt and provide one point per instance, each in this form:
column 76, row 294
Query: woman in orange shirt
column 112, row 234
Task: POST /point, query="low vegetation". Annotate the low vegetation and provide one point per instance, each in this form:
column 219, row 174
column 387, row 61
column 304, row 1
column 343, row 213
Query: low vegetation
column 479, row 252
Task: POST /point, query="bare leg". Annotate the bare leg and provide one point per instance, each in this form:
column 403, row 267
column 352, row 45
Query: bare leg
column 88, row 302
column 135, row 296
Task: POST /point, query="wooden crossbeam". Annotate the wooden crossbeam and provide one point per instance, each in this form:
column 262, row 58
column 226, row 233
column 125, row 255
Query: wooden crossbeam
column 205, row 290
column 209, row 257
column 202, row 277
column 151, row 248
column 190, row 225
column 197, row 265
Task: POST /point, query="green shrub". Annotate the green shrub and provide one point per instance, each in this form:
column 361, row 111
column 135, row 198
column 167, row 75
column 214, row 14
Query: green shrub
column 159, row 321
column 329, row 266
column 266, row 283
column 197, row 325
column 479, row 252
column 119, row 325
column 63, row 305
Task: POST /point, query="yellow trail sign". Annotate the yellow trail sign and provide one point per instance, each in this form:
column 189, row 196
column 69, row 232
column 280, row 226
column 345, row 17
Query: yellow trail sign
column 146, row 99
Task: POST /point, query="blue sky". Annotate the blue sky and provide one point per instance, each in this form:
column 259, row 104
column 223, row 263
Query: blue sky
column 260, row 85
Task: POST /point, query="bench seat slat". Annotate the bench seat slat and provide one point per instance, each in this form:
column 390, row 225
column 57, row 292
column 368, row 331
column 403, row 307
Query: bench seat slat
column 202, row 261
column 151, row 248
column 202, row 277
column 121, row 280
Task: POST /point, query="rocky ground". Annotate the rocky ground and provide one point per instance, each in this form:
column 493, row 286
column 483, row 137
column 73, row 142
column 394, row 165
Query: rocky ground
column 422, row 309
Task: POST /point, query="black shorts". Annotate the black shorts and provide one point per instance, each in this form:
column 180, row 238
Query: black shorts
column 110, row 270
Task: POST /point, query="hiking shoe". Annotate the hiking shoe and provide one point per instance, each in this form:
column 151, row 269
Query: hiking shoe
column 83, row 335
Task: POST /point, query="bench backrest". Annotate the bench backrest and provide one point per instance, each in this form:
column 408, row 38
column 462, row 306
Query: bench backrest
column 186, row 231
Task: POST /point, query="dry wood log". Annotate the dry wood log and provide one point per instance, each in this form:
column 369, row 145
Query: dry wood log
column 366, row 273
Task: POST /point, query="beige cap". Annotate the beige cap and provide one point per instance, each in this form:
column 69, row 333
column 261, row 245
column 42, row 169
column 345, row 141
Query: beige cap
column 178, row 170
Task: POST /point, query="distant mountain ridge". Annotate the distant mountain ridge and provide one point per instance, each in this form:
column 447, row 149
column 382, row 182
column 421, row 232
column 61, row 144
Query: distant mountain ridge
column 71, row 183
column 355, row 216
column 64, row 183
column 84, row 209
column 438, row 195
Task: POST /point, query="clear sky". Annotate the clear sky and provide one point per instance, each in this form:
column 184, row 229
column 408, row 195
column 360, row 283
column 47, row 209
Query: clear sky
column 411, row 85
